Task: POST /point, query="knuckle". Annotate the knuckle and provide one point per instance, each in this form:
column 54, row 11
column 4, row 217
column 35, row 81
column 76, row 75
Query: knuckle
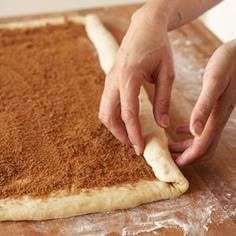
column 163, row 102
column 105, row 119
column 204, row 109
column 128, row 115
column 109, row 121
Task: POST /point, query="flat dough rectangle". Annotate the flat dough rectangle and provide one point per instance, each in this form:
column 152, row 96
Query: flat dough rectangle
column 170, row 181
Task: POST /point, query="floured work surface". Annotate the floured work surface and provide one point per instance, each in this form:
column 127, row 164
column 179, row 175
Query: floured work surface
column 57, row 159
column 209, row 206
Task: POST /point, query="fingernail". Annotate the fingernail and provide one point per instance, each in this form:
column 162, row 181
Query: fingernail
column 165, row 120
column 136, row 149
column 197, row 128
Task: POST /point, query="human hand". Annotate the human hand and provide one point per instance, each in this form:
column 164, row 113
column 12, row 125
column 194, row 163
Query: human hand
column 145, row 54
column 212, row 110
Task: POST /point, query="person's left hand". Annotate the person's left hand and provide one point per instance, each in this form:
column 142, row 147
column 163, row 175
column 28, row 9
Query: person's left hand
column 212, row 110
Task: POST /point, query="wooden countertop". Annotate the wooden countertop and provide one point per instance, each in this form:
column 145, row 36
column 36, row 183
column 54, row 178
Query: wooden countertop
column 209, row 206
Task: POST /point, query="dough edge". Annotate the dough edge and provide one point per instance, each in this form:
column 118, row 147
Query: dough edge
column 60, row 205
column 170, row 181
column 36, row 23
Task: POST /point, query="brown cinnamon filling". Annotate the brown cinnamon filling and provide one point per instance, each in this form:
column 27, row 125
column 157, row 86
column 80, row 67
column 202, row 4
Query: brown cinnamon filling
column 50, row 136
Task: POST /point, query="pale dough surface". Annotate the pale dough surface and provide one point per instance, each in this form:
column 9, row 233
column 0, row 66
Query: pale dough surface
column 170, row 181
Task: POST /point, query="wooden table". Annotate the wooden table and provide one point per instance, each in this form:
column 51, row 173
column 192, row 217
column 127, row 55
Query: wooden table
column 209, row 206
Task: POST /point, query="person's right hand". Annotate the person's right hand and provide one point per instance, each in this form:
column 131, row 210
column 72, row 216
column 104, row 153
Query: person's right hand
column 145, row 54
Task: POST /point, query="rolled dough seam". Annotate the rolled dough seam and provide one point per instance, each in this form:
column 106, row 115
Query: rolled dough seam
column 170, row 181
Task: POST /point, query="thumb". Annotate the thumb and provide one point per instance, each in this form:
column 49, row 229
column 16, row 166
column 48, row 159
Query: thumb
column 208, row 97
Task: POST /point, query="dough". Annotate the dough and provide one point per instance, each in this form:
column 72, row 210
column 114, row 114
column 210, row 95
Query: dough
column 170, row 181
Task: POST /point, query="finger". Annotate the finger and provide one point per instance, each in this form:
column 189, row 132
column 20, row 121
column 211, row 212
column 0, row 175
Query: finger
column 109, row 112
column 109, row 115
column 204, row 157
column 189, row 155
column 198, row 149
column 130, row 84
column 207, row 142
column 119, row 131
column 183, row 129
column 209, row 95
column 163, row 86
column 180, row 146
column 215, row 82
column 211, row 150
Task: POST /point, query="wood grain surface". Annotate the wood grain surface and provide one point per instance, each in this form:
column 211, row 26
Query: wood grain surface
column 209, row 206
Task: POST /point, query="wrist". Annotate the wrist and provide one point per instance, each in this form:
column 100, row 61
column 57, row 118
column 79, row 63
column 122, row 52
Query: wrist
column 155, row 12
column 161, row 12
